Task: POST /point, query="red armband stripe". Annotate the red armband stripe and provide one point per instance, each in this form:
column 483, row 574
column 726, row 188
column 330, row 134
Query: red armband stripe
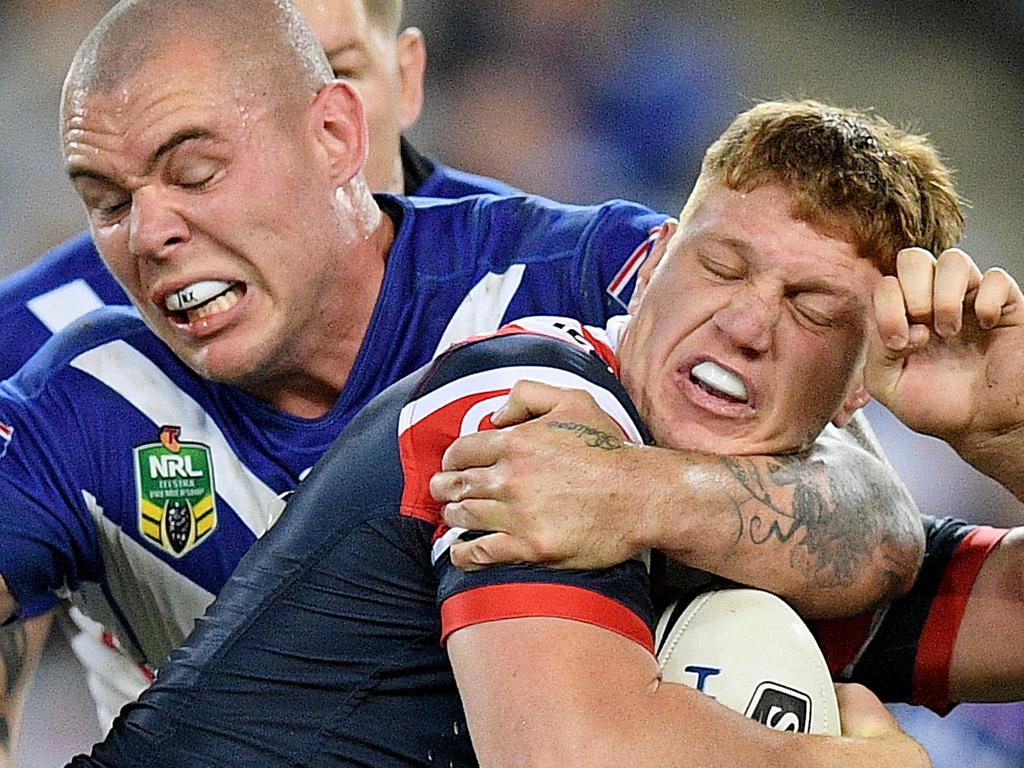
column 518, row 601
column 938, row 638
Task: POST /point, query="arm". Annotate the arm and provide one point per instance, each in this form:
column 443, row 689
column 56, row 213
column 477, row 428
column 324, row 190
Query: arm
column 834, row 530
column 988, row 658
column 955, row 636
column 21, row 646
column 548, row 691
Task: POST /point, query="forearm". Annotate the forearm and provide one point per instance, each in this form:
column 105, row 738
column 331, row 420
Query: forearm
column 21, row 645
column 833, row 531
column 1001, row 458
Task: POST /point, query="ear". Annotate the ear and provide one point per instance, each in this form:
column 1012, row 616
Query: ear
column 339, row 127
column 856, row 400
column 412, row 63
column 662, row 236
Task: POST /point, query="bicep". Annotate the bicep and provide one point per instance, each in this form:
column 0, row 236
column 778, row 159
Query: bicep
column 539, row 689
column 552, row 692
column 873, row 516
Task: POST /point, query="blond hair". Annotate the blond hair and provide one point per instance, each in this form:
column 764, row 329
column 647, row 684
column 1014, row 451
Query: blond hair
column 853, row 174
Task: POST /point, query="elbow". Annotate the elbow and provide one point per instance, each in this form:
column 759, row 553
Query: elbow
column 902, row 554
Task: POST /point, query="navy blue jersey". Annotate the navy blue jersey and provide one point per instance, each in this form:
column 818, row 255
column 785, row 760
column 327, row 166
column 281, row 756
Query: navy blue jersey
column 326, row 646
column 903, row 651
column 72, row 279
column 135, row 485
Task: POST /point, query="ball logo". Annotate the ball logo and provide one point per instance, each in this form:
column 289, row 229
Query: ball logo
column 780, row 707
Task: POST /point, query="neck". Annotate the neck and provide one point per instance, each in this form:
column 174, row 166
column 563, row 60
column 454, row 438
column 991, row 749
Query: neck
column 308, row 378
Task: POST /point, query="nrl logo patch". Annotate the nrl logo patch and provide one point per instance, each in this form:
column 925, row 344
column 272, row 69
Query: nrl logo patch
column 174, row 487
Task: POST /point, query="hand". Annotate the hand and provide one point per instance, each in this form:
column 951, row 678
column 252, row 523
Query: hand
column 949, row 355
column 864, row 717
column 549, row 484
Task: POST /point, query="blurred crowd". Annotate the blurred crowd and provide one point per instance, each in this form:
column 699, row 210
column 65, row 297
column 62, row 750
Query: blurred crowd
column 583, row 100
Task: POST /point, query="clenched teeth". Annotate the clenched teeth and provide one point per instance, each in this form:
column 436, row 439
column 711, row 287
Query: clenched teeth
column 717, row 378
column 222, row 303
column 195, row 294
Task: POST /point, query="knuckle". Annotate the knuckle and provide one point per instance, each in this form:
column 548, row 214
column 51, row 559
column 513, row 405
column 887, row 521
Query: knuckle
column 913, row 258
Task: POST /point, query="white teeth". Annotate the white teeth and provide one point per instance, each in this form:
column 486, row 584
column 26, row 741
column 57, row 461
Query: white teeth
column 222, row 303
column 195, row 294
column 718, row 378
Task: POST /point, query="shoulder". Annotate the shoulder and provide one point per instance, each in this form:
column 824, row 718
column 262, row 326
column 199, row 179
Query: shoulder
column 88, row 336
column 75, row 259
column 449, row 182
column 556, row 351
column 527, row 225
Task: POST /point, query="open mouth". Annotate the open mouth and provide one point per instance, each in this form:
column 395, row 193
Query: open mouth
column 716, row 380
column 203, row 299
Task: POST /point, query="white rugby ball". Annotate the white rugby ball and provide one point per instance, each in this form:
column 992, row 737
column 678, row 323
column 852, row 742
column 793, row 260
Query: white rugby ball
column 752, row 652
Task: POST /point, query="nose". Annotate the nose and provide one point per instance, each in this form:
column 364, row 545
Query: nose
column 749, row 319
column 155, row 225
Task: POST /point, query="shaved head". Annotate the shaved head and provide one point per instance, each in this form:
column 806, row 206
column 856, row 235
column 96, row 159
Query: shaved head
column 387, row 14
column 268, row 45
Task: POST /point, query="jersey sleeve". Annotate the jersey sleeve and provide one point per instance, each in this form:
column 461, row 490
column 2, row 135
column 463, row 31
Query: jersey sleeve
column 458, row 397
column 903, row 651
column 617, row 246
column 46, row 530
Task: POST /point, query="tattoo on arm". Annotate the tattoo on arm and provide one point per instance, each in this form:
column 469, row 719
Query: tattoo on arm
column 594, row 438
column 13, row 656
column 834, row 541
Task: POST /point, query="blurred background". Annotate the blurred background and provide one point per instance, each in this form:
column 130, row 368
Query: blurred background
column 583, row 100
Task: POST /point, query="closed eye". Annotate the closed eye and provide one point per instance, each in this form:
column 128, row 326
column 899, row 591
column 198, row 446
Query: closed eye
column 817, row 309
column 722, row 270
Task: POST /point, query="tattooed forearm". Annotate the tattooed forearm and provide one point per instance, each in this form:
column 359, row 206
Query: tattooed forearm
column 595, row 438
column 13, row 656
column 793, row 499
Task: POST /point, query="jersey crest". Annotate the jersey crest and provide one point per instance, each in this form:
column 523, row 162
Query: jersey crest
column 174, row 489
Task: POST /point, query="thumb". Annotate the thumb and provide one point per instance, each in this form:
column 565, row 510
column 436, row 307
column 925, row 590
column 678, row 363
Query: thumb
column 862, row 714
column 527, row 400
column 883, row 367
column 890, row 340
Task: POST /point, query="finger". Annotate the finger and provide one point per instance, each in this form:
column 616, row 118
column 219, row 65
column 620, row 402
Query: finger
column 883, row 367
column 915, row 268
column 477, row 515
column 528, row 400
column 891, row 314
column 861, row 713
column 472, row 483
column 478, row 449
column 956, row 275
column 493, row 549
column 999, row 300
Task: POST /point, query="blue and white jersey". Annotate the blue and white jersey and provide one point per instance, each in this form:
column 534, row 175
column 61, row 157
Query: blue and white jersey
column 132, row 483
column 48, row 295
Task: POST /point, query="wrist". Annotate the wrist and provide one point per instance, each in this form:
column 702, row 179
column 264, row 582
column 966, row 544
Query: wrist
column 662, row 517
column 998, row 456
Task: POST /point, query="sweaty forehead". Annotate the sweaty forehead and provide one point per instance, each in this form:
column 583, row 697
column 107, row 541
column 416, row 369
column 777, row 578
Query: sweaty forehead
column 129, row 121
